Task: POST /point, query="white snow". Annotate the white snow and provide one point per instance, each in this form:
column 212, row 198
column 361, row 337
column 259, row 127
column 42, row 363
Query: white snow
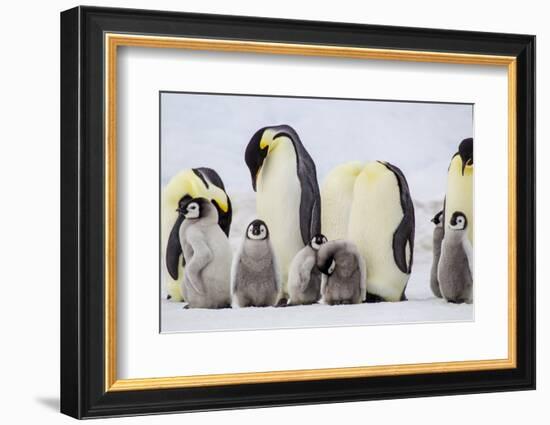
column 418, row 138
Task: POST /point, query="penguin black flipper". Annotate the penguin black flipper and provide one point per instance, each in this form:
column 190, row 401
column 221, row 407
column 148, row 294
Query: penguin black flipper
column 310, row 213
column 403, row 237
column 173, row 249
column 310, row 202
column 208, row 174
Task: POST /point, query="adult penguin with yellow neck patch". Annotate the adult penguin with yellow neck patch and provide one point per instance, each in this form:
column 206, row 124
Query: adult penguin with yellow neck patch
column 460, row 186
column 382, row 224
column 284, row 178
column 188, row 184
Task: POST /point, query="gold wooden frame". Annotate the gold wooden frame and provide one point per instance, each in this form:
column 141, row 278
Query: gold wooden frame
column 113, row 41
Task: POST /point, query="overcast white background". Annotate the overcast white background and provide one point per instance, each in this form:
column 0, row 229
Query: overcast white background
column 213, row 130
column 29, row 175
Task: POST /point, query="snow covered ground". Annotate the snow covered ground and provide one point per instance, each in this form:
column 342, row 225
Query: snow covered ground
column 420, row 138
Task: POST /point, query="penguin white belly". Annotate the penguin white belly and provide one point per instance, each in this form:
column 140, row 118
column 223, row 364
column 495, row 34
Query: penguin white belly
column 336, row 199
column 376, row 213
column 278, row 204
column 460, row 194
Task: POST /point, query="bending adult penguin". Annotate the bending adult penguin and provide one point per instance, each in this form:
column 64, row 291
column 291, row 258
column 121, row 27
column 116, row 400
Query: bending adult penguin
column 287, row 193
column 207, row 253
column 382, row 226
column 187, row 184
column 436, row 248
column 255, row 277
column 460, row 185
column 456, row 262
column 337, row 197
column 344, row 273
column 304, row 277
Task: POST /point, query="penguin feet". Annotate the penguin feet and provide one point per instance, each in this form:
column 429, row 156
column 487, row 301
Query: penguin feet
column 283, row 302
column 373, row 298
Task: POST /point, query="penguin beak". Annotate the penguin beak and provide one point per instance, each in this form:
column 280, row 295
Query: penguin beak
column 219, row 197
column 255, row 154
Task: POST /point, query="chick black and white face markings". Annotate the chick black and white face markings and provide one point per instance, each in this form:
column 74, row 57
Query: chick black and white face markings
column 257, row 231
column 191, row 208
column 438, row 219
column 458, row 221
column 317, row 241
column 329, row 266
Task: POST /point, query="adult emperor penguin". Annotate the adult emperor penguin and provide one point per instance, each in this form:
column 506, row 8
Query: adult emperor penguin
column 287, row 193
column 436, row 248
column 337, row 197
column 460, row 185
column 382, row 224
column 456, row 262
column 207, row 252
column 187, row 184
column 254, row 276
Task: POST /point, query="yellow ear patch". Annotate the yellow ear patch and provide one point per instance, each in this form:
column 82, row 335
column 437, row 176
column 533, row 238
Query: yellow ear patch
column 264, row 141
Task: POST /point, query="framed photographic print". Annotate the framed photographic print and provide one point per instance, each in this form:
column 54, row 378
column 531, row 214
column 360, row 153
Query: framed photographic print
column 261, row 212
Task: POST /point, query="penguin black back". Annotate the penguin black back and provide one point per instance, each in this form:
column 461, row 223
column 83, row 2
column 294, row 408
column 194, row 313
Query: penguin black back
column 405, row 231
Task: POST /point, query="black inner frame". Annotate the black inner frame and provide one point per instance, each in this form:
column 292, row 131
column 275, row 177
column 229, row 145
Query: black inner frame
column 82, row 212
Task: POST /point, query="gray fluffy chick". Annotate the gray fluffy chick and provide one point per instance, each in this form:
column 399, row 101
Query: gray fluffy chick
column 304, row 278
column 344, row 273
column 438, row 234
column 456, row 262
column 255, row 281
column 207, row 253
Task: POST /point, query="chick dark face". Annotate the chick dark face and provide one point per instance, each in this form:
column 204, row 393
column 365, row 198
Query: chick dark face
column 191, row 208
column 328, row 266
column 317, row 241
column 458, row 221
column 257, row 230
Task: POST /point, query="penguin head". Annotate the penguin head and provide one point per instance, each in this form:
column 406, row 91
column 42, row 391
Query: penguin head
column 317, row 241
column 257, row 231
column 328, row 266
column 196, row 208
column 194, row 183
column 263, row 142
column 458, row 221
column 438, row 219
column 466, row 152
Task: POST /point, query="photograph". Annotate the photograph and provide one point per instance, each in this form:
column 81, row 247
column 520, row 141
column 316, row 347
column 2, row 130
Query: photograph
column 282, row 212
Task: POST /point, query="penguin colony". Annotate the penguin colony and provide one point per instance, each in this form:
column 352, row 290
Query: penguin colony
column 357, row 248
